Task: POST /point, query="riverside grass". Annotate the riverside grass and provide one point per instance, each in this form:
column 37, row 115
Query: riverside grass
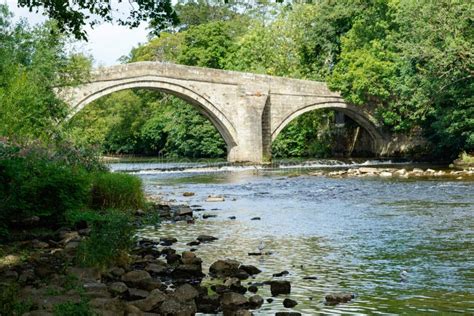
column 116, row 191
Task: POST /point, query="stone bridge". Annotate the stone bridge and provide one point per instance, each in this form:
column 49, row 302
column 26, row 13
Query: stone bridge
column 248, row 110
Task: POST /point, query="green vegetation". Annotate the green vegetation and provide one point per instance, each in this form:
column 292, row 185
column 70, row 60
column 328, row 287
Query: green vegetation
column 116, row 191
column 110, row 240
column 73, row 309
column 411, row 62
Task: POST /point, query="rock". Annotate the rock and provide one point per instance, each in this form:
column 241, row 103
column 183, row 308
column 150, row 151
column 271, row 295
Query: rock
column 27, row 276
column 206, row 238
column 184, row 211
column 252, row 289
column 400, row 172
column 173, row 258
column 242, row 312
column 231, row 217
column 368, row 170
column 139, row 212
column 289, row 303
column 255, row 301
column 150, row 285
column 333, row 299
column 118, row 288
column 280, row 287
column 136, row 278
column 206, row 216
column 116, row 271
column 172, row 306
column 137, row 294
column 269, row 300
column 96, row 290
column 216, row 198
column 107, row 306
column 39, row 244
column 188, row 193
column 167, row 241
column 194, row 243
column 187, row 255
column 287, row 314
column 208, row 304
column 187, row 271
column 84, row 274
column 417, row 170
column 224, row 268
column 310, row 278
column 167, row 251
column 252, row 270
column 132, row 310
column 233, row 301
column 185, row 293
column 280, row 274
column 151, row 301
column 154, row 268
column 385, row 174
column 66, row 237
column 255, row 218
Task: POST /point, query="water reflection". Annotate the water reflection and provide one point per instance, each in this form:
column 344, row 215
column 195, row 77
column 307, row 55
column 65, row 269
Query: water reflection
column 353, row 235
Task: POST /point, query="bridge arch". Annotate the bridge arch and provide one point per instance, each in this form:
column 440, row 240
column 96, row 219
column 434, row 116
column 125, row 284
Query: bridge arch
column 201, row 103
column 361, row 117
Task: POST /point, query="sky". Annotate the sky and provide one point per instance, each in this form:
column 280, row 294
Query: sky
column 106, row 42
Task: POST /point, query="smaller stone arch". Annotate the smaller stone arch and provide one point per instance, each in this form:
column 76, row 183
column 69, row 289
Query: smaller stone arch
column 361, row 117
column 95, row 90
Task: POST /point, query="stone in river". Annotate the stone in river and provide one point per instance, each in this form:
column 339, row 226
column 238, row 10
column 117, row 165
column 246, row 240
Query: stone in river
column 206, row 238
column 255, row 218
column 333, row 299
column 289, row 303
column 188, row 193
column 280, row 274
column 280, row 287
column 255, row 301
column 216, row 198
column 250, row 269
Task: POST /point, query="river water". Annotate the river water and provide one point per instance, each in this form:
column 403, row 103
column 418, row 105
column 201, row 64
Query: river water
column 402, row 246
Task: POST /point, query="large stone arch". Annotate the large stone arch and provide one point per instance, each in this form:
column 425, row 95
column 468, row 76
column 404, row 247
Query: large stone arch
column 363, row 118
column 93, row 91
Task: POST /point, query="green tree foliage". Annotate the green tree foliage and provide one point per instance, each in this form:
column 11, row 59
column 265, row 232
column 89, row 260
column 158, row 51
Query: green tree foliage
column 414, row 62
column 32, row 62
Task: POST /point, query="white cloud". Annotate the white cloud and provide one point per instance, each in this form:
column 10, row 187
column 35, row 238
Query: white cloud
column 107, row 42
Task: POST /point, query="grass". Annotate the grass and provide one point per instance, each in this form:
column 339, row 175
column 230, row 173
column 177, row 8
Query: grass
column 117, row 191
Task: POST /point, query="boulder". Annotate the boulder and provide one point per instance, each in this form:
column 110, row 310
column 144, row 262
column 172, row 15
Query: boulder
column 154, row 268
column 151, row 302
column 185, row 293
column 252, row 270
column 96, row 290
column 208, row 304
column 108, row 306
column 137, row 294
column 255, row 301
column 206, row 238
column 224, row 268
column 233, row 301
column 289, row 303
column 136, row 278
column 167, row 241
column 282, row 273
column 172, row 306
column 118, row 288
column 280, row 287
column 188, row 193
column 215, row 198
column 333, row 299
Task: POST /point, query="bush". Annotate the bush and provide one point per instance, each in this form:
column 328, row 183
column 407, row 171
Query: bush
column 73, row 309
column 35, row 186
column 111, row 237
column 117, row 191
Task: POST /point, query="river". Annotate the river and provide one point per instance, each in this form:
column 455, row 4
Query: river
column 402, row 246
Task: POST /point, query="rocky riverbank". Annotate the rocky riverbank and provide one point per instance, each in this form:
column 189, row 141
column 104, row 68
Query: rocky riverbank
column 153, row 280
column 398, row 173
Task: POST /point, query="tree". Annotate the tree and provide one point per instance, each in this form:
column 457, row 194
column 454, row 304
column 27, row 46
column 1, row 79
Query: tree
column 32, row 63
column 72, row 16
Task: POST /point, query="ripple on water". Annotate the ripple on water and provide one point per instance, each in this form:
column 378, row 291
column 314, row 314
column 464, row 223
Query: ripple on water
column 354, row 235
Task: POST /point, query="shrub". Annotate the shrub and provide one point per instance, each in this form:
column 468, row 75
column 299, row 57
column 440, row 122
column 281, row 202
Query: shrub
column 111, row 237
column 34, row 186
column 73, row 309
column 9, row 303
column 117, row 191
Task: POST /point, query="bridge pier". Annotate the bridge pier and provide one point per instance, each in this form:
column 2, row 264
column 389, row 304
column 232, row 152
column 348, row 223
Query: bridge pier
column 247, row 117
